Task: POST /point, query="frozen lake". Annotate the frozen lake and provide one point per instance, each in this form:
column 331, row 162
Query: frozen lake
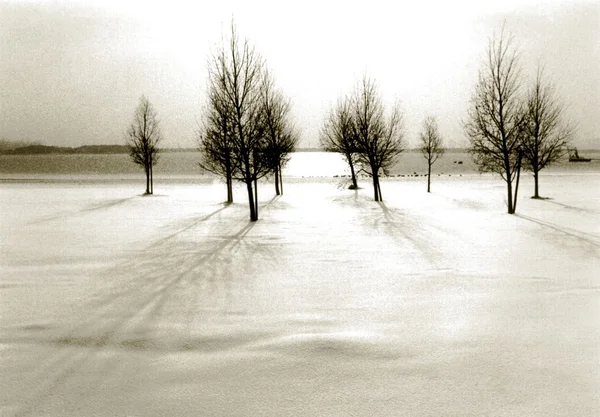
column 118, row 167
column 331, row 305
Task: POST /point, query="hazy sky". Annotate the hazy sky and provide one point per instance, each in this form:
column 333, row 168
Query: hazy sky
column 71, row 73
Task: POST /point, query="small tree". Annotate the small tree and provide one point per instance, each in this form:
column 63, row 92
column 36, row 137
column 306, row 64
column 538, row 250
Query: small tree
column 379, row 140
column 281, row 139
column 496, row 116
column 238, row 70
column 143, row 137
column 431, row 146
column 546, row 137
column 338, row 135
column 216, row 135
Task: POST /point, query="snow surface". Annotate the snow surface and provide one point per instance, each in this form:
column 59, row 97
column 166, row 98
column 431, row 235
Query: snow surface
column 115, row 304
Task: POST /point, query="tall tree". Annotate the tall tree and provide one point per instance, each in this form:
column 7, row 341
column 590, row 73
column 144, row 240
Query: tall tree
column 546, row 135
column 216, row 135
column 431, row 145
column 338, row 134
column 143, row 137
column 379, row 139
column 238, row 69
column 281, row 138
column 496, row 116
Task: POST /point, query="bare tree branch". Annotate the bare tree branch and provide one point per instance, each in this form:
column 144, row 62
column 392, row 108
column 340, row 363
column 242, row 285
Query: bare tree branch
column 281, row 136
column 431, row 145
column 143, row 136
column 496, row 117
column 338, row 134
column 215, row 136
column 379, row 140
column 235, row 79
column 546, row 135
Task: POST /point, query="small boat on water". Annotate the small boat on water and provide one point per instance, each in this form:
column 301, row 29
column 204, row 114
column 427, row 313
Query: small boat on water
column 574, row 156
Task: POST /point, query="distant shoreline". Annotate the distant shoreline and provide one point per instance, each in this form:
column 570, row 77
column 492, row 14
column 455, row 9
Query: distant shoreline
column 61, row 150
column 122, row 149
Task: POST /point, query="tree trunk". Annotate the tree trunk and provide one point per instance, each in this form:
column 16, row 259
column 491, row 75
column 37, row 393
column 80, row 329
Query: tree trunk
column 277, row 192
column 151, row 179
column 376, row 193
column 514, row 209
column 354, row 184
column 229, row 189
column 536, row 168
column 509, row 196
column 256, row 198
column 229, row 181
column 281, row 179
column 253, row 214
column 509, row 199
column 429, row 177
column 379, row 189
column 147, row 180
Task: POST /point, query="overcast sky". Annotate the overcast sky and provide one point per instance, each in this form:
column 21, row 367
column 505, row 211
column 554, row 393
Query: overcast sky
column 71, row 73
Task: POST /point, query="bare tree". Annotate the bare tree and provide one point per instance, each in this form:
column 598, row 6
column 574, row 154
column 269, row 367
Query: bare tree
column 431, row 145
column 216, row 135
column 238, row 69
column 143, row 137
column 281, row 138
column 496, row 116
column 546, row 136
column 379, row 139
column 338, row 135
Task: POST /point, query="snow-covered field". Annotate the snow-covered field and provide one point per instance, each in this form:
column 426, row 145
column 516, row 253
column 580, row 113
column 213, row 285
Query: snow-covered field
column 114, row 304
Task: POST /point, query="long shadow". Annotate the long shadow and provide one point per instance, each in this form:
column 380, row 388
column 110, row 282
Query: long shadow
column 188, row 227
column 84, row 210
column 140, row 305
column 154, row 304
column 465, row 203
column 146, row 262
column 588, row 238
column 221, row 276
column 106, row 205
column 574, row 208
column 212, row 269
column 184, row 268
column 140, row 311
column 137, row 261
column 409, row 233
column 131, row 265
column 203, row 219
column 387, row 213
column 267, row 205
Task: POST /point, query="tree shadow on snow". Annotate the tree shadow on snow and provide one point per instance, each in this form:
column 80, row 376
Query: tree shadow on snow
column 584, row 237
column 403, row 229
column 163, row 293
column 66, row 214
column 574, row 208
column 195, row 222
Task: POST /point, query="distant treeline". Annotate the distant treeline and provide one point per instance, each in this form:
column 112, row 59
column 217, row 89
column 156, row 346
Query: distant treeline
column 87, row 149
column 43, row 149
column 36, row 149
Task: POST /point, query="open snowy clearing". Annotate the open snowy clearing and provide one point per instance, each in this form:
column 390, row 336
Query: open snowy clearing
column 114, row 304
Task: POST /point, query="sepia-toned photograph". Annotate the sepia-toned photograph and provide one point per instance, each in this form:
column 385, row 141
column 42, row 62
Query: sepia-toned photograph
column 283, row 208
